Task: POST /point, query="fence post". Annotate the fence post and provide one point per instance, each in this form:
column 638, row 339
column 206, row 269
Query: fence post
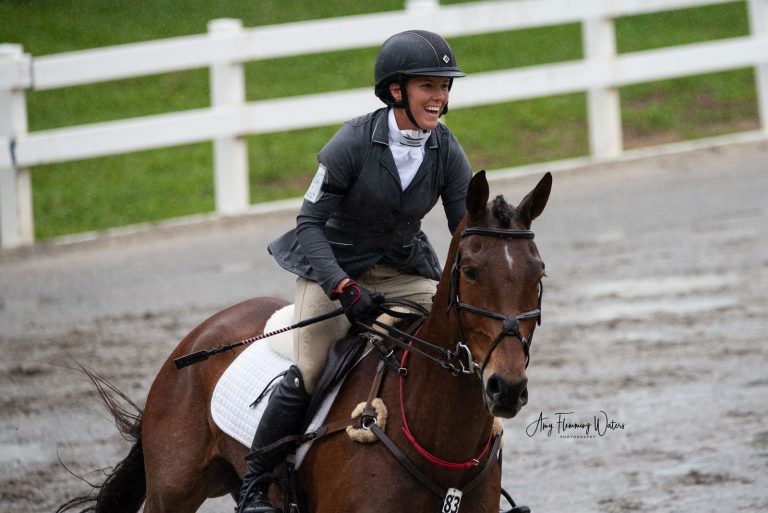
column 758, row 22
column 230, row 154
column 16, row 225
column 603, row 109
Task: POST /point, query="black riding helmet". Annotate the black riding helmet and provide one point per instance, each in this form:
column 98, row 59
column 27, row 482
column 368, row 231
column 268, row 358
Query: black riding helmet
column 409, row 54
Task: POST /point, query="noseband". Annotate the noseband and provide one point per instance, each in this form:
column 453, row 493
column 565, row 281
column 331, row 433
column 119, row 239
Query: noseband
column 510, row 324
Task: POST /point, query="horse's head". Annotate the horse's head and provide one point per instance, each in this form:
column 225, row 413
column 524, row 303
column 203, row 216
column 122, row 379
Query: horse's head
column 496, row 290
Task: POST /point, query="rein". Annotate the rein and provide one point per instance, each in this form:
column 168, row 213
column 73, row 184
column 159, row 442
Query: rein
column 491, row 451
column 466, row 365
column 445, row 359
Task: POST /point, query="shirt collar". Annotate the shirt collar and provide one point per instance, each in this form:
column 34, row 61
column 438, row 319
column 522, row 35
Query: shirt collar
column 410, row 138
column 381, row 130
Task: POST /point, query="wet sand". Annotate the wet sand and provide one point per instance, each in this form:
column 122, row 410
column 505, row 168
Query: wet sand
column 655, row 322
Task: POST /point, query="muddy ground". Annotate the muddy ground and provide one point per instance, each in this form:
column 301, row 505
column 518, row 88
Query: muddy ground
column 655, row 322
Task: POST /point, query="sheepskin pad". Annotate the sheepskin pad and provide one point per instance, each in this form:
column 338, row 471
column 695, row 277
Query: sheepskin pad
column 365, row 435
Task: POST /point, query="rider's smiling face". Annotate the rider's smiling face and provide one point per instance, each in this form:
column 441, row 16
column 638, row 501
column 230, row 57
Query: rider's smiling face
column 427, row 97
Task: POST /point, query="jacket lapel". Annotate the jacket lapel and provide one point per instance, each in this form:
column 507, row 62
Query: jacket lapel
column 381, row 137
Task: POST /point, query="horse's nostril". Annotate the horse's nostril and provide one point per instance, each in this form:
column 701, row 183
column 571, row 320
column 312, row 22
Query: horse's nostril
column 524, row 396
column 493, row 388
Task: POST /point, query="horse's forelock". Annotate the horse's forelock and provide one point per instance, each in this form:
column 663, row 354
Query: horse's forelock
column 502, row 211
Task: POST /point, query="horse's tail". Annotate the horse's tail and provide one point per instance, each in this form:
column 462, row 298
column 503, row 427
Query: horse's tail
column 124, row 489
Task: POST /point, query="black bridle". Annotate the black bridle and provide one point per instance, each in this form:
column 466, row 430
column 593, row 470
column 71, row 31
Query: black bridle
column 510, row 324
column 466, row 365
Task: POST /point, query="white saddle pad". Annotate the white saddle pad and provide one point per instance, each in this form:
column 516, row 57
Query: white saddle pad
column 240, row 385
column 244, row 380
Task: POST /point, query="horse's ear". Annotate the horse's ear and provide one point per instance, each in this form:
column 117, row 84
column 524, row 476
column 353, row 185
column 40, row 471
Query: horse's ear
column 533, row 204
column 477, row 194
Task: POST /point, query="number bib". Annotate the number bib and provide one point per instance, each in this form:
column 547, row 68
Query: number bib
column 452, row 501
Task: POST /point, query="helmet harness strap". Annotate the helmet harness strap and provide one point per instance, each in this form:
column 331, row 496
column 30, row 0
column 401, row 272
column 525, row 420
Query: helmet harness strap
column 404, row 101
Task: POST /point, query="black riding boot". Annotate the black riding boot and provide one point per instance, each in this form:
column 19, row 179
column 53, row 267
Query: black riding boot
column 283, row 416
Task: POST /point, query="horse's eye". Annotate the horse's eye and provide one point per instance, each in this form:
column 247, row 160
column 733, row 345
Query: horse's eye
column 470, row 273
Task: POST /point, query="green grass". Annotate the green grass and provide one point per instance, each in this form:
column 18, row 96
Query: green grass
column 691, row 107
column 115, row 191
column 125, row 189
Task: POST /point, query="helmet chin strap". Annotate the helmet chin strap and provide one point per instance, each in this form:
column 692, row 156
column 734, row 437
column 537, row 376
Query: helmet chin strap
column 406, row 104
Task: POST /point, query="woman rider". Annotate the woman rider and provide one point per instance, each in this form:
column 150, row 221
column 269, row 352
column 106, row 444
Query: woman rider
column 359, row 227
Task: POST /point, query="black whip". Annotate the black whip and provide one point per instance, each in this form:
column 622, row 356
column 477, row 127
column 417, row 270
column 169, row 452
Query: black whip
column 199, row 356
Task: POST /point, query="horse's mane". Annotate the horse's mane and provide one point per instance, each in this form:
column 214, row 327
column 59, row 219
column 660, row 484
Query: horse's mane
column 503, row 212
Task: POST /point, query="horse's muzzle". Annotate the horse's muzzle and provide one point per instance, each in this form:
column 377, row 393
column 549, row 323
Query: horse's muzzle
column 505, row 399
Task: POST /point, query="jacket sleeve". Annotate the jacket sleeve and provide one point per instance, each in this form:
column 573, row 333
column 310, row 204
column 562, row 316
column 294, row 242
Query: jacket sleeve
column 334, row 177
column 458, row 173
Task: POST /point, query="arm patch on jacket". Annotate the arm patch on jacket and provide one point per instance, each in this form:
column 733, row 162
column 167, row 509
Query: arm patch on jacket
column 332, row 189
column 315, row 190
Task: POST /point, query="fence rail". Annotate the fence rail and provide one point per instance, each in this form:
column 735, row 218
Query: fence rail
column 227, row 45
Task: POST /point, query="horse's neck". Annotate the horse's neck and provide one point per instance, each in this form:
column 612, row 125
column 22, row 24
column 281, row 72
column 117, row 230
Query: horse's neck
column 448, row 410
column 444, row 409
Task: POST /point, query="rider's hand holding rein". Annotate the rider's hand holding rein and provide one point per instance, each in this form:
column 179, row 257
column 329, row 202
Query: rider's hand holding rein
column 358, row 302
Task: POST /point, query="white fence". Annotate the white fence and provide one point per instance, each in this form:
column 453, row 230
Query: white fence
column 227, row 45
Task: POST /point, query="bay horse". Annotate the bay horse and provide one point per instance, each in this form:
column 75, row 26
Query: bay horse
column 481, row 323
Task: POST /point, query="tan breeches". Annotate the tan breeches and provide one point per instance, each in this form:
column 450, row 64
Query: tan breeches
column 312, row 343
